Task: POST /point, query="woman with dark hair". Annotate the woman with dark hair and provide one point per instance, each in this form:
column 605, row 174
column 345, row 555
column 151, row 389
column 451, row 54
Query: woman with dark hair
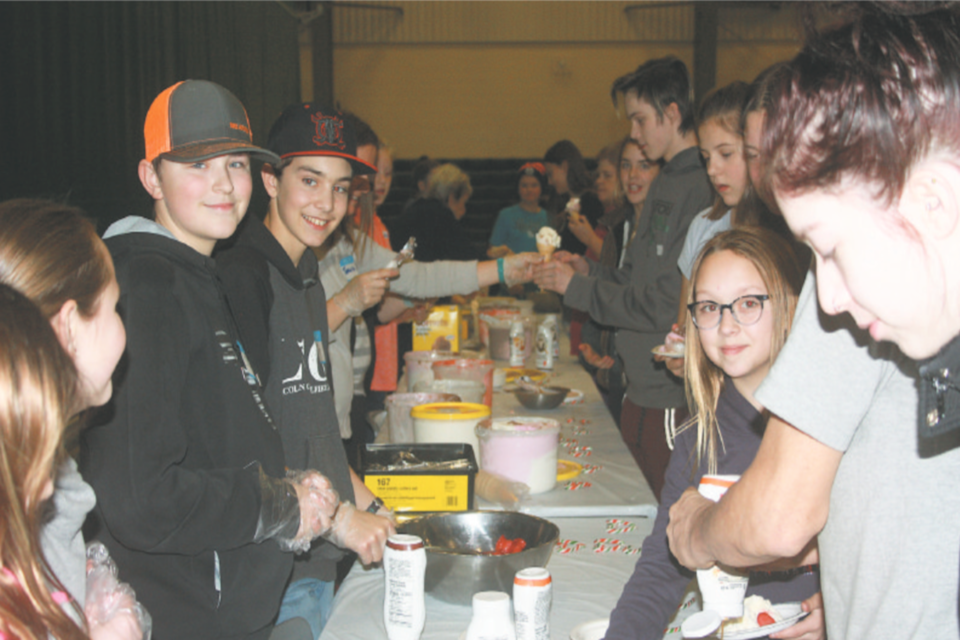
column 567, row 174
column 516, row 227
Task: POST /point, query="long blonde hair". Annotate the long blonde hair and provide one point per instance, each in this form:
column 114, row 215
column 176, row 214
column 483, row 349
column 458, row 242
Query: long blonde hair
column 38, row 387
column 51, row 253
column 774, row 259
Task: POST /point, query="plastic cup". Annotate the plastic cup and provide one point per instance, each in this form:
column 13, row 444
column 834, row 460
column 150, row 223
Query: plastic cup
column 467, row 369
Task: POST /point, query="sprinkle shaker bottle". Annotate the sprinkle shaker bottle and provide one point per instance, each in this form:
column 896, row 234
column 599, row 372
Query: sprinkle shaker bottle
column 404, row 565
column 532, row 596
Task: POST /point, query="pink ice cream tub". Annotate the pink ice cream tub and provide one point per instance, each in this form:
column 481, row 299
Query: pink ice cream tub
column 522, row 448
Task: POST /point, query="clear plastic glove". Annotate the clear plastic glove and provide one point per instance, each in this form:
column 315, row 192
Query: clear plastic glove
column 295, row 510
column 518, row 268
column 318, row 506
column 111, row 609
column 362, row 532
column 364, row 291
column 498, row 489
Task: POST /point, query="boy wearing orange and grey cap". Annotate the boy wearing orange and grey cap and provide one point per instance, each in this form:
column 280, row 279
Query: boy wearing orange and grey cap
column 188, row 465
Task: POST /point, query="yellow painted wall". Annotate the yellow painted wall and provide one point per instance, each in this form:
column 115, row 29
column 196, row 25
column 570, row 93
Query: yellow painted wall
column 481, row 101
column 452, row 81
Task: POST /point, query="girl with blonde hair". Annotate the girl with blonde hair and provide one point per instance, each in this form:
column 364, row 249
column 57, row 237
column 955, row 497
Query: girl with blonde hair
column 51, row 254
column 745, row 286
column 38, row 394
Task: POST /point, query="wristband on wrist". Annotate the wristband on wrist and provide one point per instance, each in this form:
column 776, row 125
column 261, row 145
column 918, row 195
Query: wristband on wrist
column 500, row 271
column 375, row 506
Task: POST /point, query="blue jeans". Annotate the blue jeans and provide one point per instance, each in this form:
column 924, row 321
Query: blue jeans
column 310, row 599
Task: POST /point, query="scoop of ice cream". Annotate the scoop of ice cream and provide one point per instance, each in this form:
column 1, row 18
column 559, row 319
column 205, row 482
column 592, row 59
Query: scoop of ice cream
column 573, row 205
column 547, row 236
column 753, row 606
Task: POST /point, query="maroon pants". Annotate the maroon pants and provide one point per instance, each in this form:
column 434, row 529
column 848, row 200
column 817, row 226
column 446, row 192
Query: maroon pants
column 642, row 430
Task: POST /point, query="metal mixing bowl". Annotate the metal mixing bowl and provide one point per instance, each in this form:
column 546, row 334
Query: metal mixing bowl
column 458, row 546
column 542, row 397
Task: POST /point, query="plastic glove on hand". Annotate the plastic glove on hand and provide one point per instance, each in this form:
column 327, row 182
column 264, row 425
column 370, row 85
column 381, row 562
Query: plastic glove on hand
column 111, row 607
column 518, row 268
column 364, row 291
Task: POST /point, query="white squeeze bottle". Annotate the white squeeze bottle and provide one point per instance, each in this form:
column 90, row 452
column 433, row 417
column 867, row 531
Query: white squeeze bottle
column 404, row 565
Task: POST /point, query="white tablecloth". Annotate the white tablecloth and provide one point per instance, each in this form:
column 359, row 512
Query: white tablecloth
column 586, row 585
column 586, row 580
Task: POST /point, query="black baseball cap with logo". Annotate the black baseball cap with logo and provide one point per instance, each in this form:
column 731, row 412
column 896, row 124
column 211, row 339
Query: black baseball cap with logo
column 197, row 120
column 308, row 129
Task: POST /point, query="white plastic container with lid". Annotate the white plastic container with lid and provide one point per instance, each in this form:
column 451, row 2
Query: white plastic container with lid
column 492, row 619
column 404, row 567
column 448, row 422
column 522, row 448
column 399, row 422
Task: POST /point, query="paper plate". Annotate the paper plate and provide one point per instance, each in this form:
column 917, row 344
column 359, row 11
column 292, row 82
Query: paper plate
column 791, row 612
column 567, row 470
column 593, row 630
column 574, row 396
column 662, row 350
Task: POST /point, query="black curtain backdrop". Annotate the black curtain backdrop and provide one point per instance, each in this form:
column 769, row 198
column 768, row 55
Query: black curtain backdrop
column 77, row 78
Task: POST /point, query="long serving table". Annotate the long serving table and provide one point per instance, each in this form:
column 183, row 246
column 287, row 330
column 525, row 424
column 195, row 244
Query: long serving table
column 603, row 517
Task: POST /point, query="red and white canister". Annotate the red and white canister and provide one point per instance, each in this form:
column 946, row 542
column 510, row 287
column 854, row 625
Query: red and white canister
column 532, row 596
column 404, row 566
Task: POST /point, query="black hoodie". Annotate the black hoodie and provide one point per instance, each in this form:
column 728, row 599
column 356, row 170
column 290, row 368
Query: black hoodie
column 281, row 310
column 175, row 460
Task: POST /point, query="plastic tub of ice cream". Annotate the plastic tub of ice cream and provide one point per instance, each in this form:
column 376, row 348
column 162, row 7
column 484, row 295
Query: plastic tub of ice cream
column 467, row 369
column 399, row 422
column 468, row 390
column 522, row 449
column 498, row 332
column 448, row 422
column 419, row 365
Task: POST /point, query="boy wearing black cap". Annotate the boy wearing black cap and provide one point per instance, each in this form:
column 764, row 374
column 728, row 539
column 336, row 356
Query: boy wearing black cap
column 278, row 290
column 272, row 283
column 188, row 466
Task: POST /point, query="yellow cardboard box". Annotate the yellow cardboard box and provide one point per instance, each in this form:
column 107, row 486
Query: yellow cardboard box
column 440, row 331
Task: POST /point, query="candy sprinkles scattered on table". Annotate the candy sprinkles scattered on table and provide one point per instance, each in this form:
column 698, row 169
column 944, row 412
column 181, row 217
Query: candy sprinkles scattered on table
column 576, row 485
column 615, row 525
column 591, row 468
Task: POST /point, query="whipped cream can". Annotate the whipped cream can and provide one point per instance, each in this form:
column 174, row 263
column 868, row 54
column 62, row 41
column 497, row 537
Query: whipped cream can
column 518, row 343
column 404, row 566
column 532, row 597
column 546, row 345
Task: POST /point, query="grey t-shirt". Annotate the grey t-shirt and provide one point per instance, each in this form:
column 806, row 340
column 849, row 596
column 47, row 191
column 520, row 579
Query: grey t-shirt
column 701, row 230
column 889, row 551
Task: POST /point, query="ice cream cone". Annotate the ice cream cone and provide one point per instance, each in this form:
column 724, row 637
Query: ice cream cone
column 546, row 250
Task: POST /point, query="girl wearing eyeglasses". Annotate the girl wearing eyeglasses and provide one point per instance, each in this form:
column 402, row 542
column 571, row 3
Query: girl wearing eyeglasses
column 744, row 291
